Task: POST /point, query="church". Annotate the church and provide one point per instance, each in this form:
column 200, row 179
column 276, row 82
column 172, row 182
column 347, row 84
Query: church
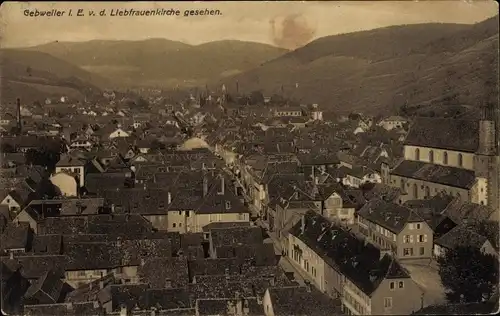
column 459, row 157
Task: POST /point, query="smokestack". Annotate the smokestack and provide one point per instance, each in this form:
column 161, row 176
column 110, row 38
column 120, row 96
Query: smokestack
column 18, row 112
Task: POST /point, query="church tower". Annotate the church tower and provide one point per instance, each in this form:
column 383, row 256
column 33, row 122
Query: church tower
column 486, row 158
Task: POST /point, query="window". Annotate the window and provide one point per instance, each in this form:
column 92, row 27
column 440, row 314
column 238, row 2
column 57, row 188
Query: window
column 431, row 156
column 180, row 224
column 460, row 160
column 180, row 212
column 445, row 158
column 420, row 238
column 241, row 216
column 417, row 154
column 391, row 286
column 402, row 185
column 422, row 251
column 427, row 192
column 411, row 226
column 173, row 225
column 401, row 284
column 406, row 239
column 418, row 226
column 228, row 205
column 415, row 191
column 407, row 252
column 388, row 302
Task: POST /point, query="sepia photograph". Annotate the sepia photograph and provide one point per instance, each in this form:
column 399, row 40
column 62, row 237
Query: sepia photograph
column 249, row 158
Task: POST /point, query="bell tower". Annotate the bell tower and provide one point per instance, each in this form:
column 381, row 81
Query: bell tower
column 485, row 160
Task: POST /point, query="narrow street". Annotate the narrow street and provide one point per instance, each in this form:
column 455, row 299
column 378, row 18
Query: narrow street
column 284, row 262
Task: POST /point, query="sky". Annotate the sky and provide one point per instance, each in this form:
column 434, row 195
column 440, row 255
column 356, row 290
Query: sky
column 288, row 24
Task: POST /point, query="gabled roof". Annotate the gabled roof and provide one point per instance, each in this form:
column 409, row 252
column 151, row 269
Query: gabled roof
column 355, row 259
column 461, row 236
column 444, row 133
column 391, row 216
column 450, row 176
column 298, row 300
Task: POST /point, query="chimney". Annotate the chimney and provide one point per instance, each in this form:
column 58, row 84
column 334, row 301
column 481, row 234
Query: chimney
column 222, row 185
column 18, row 113
column 205, row 185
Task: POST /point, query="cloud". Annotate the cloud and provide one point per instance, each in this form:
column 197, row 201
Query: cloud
column 292, row 31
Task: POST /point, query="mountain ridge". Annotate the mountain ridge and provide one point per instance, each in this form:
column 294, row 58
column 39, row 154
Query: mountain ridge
column 386, row 68
column 162, row 62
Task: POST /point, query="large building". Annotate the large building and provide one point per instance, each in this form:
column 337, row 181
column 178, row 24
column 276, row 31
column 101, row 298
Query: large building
column 458, row 157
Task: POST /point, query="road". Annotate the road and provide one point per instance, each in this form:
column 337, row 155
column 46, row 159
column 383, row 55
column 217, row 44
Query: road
column 429, row 280
column 284, row 262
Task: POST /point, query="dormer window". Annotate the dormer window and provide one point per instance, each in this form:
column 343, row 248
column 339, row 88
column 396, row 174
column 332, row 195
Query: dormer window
column 228, row 205
column 161, row 205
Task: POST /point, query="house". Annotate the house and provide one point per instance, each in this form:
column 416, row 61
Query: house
column 397, row 229
column 288, row 111
column 48, row 289
column 81, row 143
column 298, row 300
column 316, row 113
column 219, row 204
column 19, row 197
column 67, row 183
column 367, row 281
column 16, row 237
column 72, row 166
column 462, row 235
column 13, row 286
column 392, row 122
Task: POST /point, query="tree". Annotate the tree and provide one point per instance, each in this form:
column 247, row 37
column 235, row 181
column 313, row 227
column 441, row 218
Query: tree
column 468, row 274
column 276, row 99
column 42, row 157
column 256, row 97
